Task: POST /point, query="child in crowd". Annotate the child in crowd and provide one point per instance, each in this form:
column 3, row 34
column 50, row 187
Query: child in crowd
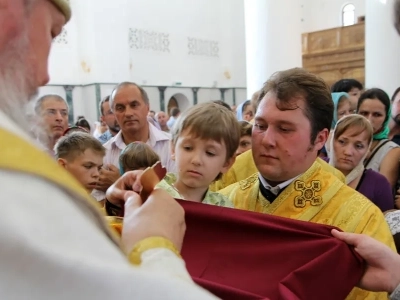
column 81, row 155
column 245, row 137
column 137, row 156
column 204, row 143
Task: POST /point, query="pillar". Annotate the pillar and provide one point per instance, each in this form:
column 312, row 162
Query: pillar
column 162, row 89
column 195, row 90
column 69, row 99
column 273, row 39
column 222, row 91
column 382, row 46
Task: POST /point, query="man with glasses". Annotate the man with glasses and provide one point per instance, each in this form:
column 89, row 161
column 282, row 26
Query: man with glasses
column 52, row 111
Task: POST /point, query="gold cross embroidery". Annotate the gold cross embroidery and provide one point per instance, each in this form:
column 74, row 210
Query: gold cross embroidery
column 307, row 193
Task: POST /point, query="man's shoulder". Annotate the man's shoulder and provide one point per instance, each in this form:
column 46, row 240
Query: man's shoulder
column 241, row 185
column 105, row 137
column 110, row 142
column 159, row 135
column 244, row 166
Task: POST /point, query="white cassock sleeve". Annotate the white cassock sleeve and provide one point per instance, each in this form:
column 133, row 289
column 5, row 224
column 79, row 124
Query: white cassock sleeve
column 51, row 249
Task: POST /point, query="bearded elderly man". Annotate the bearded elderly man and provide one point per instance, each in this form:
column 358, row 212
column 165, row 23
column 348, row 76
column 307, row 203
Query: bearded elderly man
column 291, row 125
column 54, row 242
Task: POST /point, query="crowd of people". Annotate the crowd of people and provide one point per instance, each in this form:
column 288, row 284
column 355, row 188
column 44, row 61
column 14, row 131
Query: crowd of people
column 298, row 149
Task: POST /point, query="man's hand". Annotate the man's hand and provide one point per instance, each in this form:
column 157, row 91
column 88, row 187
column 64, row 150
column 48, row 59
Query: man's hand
column 159, row 216
column 382, row 272
column 108, row 175
column 128, row 182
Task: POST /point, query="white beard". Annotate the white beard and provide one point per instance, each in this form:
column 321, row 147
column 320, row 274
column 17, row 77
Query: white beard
column 16, row 84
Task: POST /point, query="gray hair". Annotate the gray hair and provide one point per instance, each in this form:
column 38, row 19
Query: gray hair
column 41, row 100
column 143, row 93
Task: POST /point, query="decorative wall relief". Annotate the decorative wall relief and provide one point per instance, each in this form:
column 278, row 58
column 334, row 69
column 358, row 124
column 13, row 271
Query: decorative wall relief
column 148, row 40
column 203, row 47
column 62, row 38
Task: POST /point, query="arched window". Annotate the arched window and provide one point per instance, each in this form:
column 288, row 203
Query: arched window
column 348, row 15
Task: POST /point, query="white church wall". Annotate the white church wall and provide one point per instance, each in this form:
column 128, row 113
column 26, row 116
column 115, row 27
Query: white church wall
column 197, row 43
column 325, row 14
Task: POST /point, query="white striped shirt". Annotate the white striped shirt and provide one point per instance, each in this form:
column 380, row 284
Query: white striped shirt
column 158, row 140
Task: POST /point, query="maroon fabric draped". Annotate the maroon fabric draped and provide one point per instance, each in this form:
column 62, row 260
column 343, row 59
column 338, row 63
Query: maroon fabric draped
column 238, row 254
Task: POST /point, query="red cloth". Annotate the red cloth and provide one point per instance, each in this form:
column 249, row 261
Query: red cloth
column 237, row 254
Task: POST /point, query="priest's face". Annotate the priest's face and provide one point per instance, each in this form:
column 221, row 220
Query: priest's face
column 25, row 38
column 281, row 142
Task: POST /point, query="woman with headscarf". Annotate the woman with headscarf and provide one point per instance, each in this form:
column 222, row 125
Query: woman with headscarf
column 244, row 112
column 384, row 156
column 342, row 107
column 352, row 138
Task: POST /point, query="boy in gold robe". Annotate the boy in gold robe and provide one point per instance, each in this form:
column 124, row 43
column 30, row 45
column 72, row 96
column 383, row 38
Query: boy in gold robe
column 291, row 125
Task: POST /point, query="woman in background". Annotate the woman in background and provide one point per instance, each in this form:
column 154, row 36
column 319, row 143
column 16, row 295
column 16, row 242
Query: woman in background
column 342, row 107
column 245, row 111
column 374, row 104
column 351, row 140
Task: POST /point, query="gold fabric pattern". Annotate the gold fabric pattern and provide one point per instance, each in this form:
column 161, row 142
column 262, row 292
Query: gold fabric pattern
column 308, row 193
column 340, row 206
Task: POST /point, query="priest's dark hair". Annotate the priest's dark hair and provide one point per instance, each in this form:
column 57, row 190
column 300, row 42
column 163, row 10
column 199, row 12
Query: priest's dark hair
column 297, row 82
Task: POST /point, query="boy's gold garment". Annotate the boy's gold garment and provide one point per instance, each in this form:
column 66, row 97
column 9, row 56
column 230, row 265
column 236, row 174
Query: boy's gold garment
column 211, row 198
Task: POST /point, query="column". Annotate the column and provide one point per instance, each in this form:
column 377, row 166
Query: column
column 195, row 90
column 382, row 46
column 162, row 89
column 68, row 93
column 273, row 39
column 222, row 91
column 98, row 100
column 234, row 96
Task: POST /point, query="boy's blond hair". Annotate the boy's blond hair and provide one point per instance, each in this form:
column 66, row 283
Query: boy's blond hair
column 210, row 121
column 72, row 145
column 137, row 155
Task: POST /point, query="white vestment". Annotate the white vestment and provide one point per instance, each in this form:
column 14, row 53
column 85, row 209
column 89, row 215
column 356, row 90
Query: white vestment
column 51, row 249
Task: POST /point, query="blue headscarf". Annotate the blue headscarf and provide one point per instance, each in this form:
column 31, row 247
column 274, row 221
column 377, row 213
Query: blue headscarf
column 336, row 97
column 239, row 110
column 384, row 134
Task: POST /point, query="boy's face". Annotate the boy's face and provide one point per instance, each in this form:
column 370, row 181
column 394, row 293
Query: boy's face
column 199, row 161
column 244, row 144
column 85, row 168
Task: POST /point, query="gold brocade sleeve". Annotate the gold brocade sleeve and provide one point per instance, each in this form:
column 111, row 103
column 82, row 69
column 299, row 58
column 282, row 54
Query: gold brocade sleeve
column 148, row 244
column 375, row 226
